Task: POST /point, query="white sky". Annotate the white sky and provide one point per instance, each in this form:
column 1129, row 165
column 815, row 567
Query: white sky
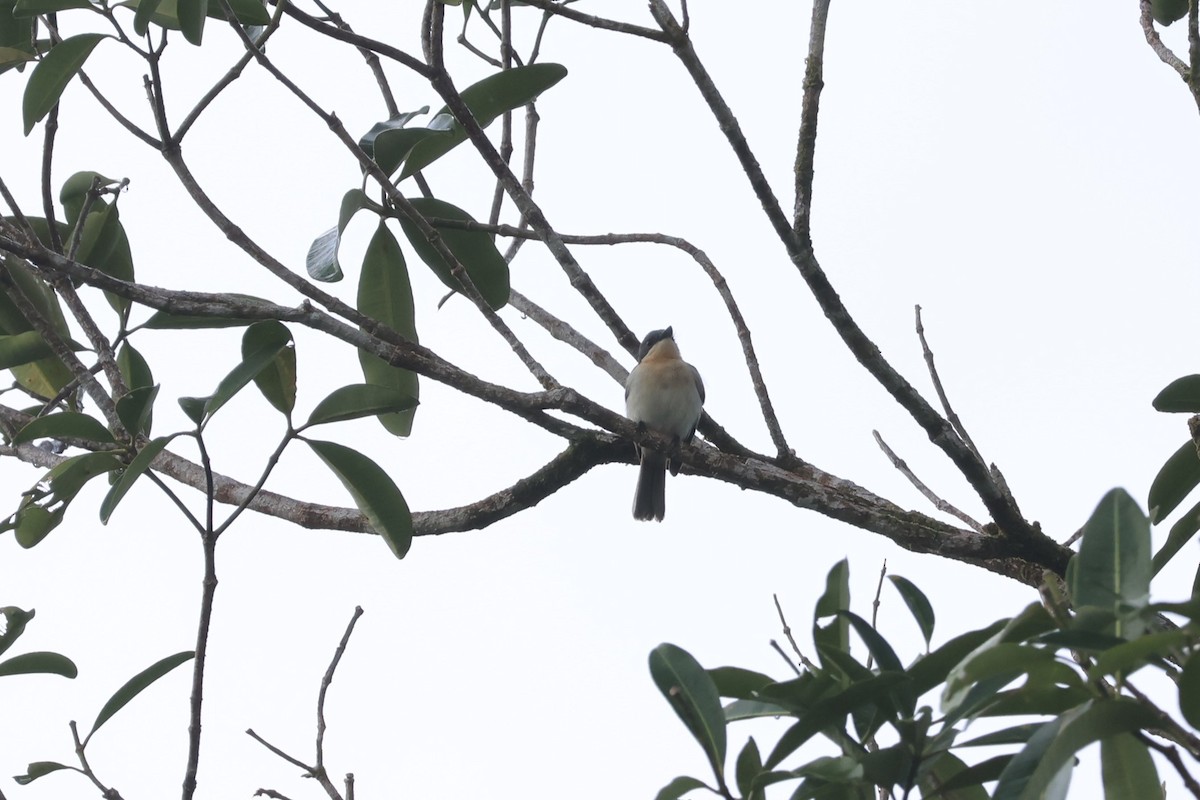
column 1024, row 171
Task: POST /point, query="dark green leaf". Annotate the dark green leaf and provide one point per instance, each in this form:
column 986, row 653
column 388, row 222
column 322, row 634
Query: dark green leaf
column 16, row 39
column 1182, row 394
column 736, row 682
column 15, row 620
column 277, row 380
column 37, row 769
column 1167, row 11
column 322, row 261
column 1181, row 533
column 143, row 15
column 1175, row 481
column 1127, row 657
column 1090, row 723
column 692, row 695
column 883, row 653
column 392, row 147
column 749, row 765
column 34, row 523
column 1189, row 690
column 1128, row 770
column 833, row 711
column 951, row 779
column 140, row 463
column 679, row 787
column 134, row 368
column 385, row 294
column 39, row 664
column 1032, row 700
column 933, row 669
column 374, row 492
column 917, row 603
column 136, row 409
column 193, row 407
column 52, row 74
column 1112, row 569
column 192, row 14
column 752, row 709
column 1017, row 734
column 475, row 250
column 134, row 686
column 31, row 8
column 64, row 425
column 261, row 345
column 23, row 348
column 359, row 400
column 836, row 598
column 487, row 99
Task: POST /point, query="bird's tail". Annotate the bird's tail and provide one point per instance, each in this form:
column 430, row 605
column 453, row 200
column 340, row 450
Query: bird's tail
column 650, row 499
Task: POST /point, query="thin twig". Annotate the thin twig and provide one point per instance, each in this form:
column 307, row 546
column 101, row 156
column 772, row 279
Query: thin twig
column 592, row 21
column 55, row 242
column 293, row 761
column 959, row 428
column 373, row 63
column 810, row 104
column 939, row 503
column 1156, row 43
column 107, row 792
column 121, row 119
column 1171, row 754
column 325, row 683
column 787, row 631
column 787, row 659
column 875, row 606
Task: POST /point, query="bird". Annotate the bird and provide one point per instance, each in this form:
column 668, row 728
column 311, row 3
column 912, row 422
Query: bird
column 664, row 394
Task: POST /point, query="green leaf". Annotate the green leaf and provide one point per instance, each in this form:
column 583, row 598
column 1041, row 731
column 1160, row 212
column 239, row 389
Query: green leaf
column 749, row 765
column 35, row 7
column 65, row 425
column 38, row 769
column 359, row 400
column 166, row 13
column 143, row 16
column 1189, row 690
column 137, row 467
column 1167, row 11
column 1034, row 769
column 917, row 603
column 52, row 74
column 487, row 99
column 31, row 8
column 1181, row 533
column 15, row 620
column 753, row 709
column 39, row 663
column 374, row 492
column 33, row 523
column 833, row 711
column 261, row 345
column 475, row 250
column 44, row 506
column 389, row 142
column 136, row 409
column 11, row 56
column 1182, row 394
column 883, row 653
column 693, row 696
column 1127, row 657
column 679, row 787
column 134, row 368
column 1174, row 481
column 836, row 598
column 1112, row 568
column 16, row 39
column 193, row 407
column 952, row 779
column 135, row 685
column 23, row 348
column 277, row 380
column 1003, row 663
column 1017, row 734
column 736, row 682
column 1128, row 770
column 322, row 260
column 192, row 14
column 385, row 294
column 933, row 669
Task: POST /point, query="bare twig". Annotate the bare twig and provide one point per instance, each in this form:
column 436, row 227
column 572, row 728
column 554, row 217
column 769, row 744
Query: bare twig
column 592, row 21
column 1171, row 754
column 939, row 503
column 290, row 759
column 959, row 428
column 787, row 631
column 47, row 189
column 875, row 606
column 810, row 104
column 107, row 792
column 1156, row 43
column 325, row 683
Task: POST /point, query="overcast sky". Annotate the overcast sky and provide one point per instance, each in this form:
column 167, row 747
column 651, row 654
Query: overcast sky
column 1024, row 171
